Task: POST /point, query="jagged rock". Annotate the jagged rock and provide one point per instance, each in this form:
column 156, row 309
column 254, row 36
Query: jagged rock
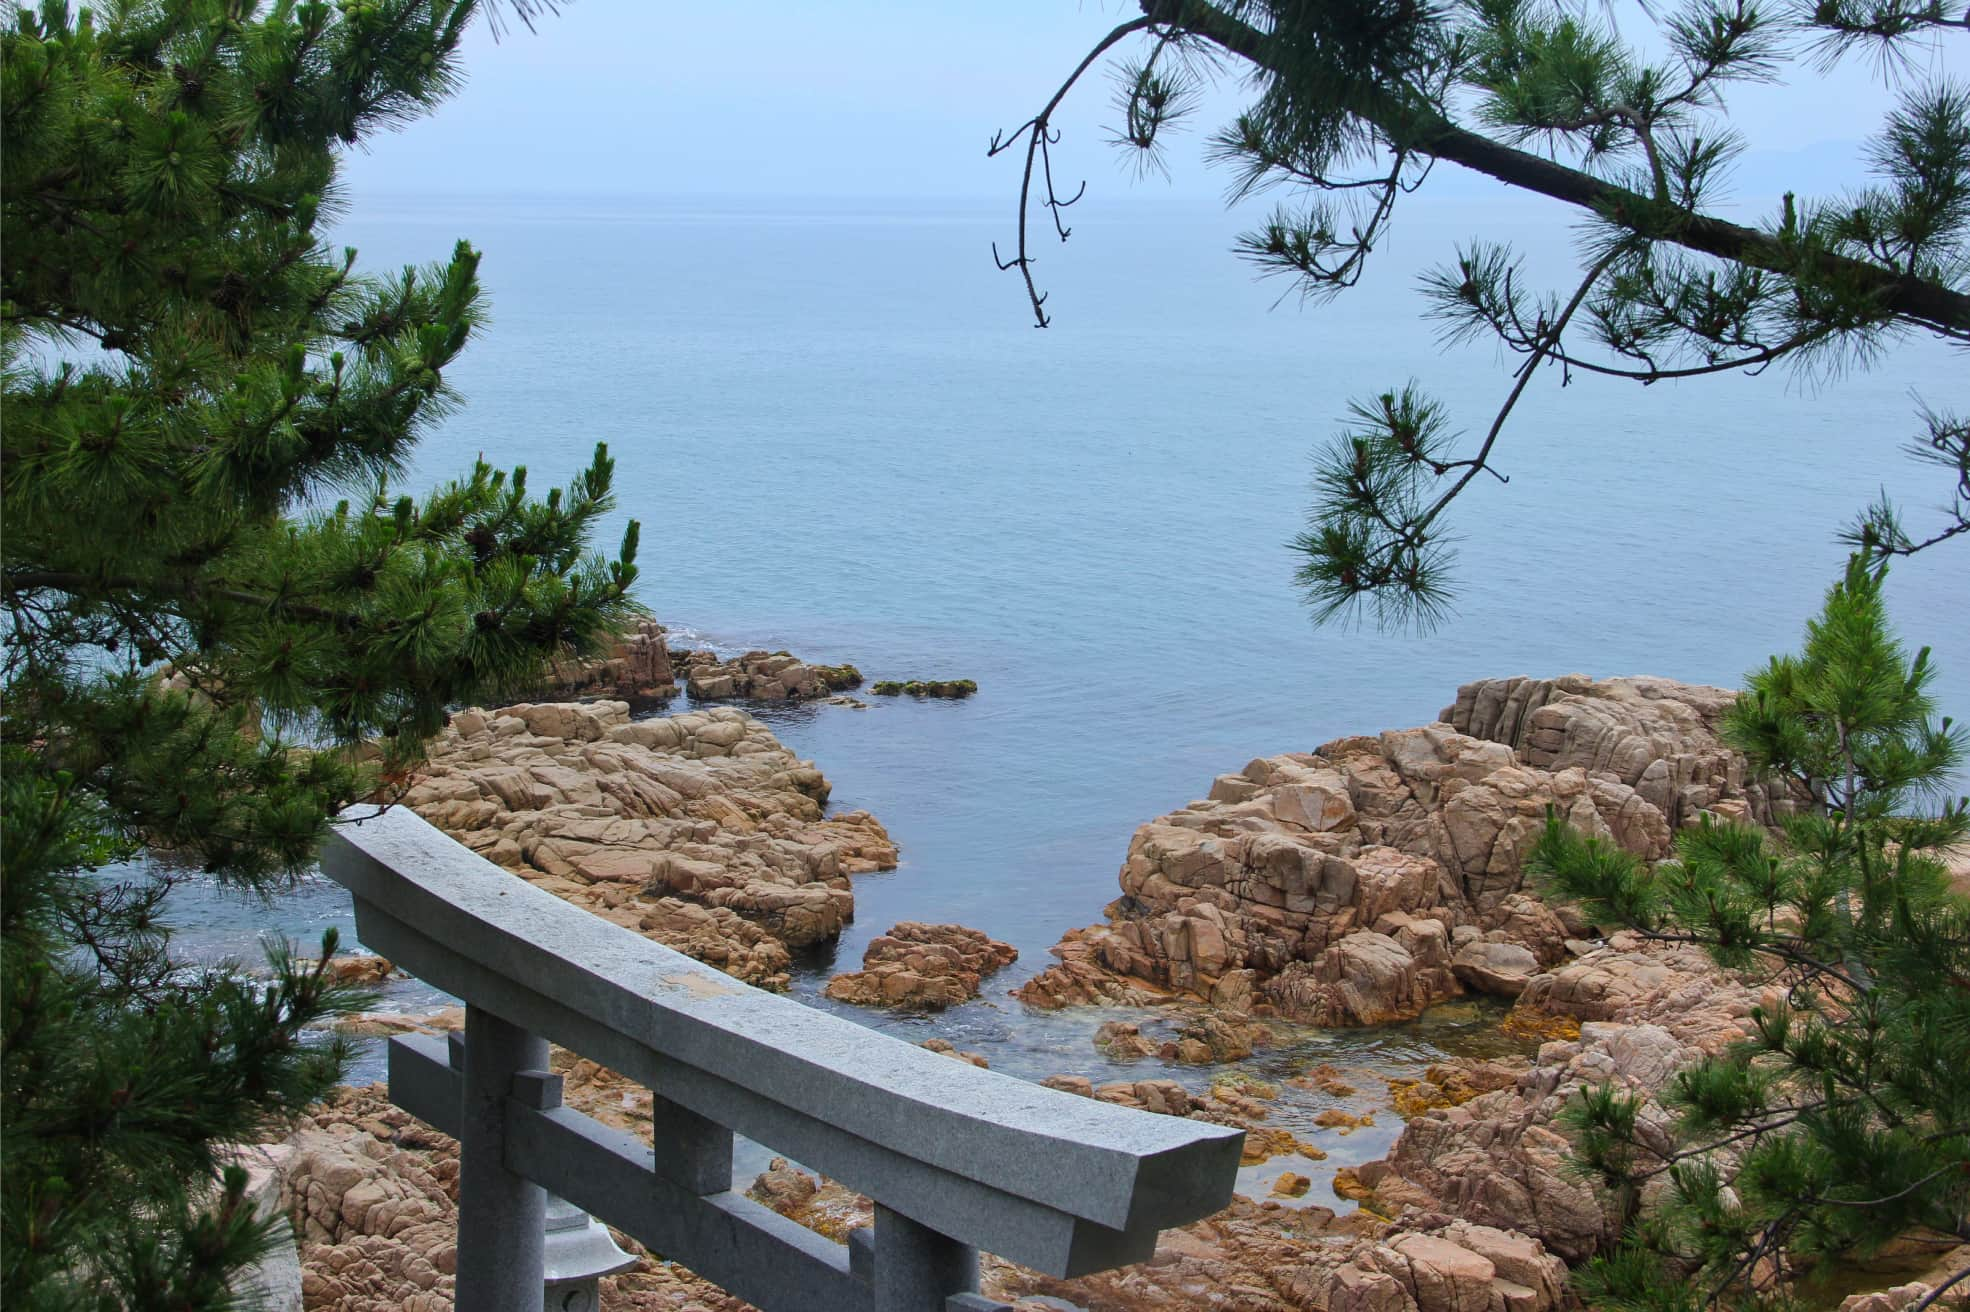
column 1267, row 1256
column 1078, row 1085
column 373, row 1024
column 1346, row 885
column 819, row 1204
column 1460, row 1268
column 719, row 937
column 356, row 969
column 764, row 675
column 922, row 966
column 1678, row 986
column 699, row 830
column 1365, row 979
column 636, row 668
column 1544, row 931
column 1655, row 735
column 372, row 1198
column 1497, row 1159
column 1164, row 1097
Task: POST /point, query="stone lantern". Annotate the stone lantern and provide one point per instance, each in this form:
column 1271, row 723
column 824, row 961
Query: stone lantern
column 578, row 1254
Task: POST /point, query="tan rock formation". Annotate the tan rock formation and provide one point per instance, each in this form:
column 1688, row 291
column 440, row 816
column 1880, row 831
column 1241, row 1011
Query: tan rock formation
column 1363, row 882
column 1123, row 1040
column 698, row 830
column 1268, row 1257
column 636, row 668
column 927, row 967
column 1207, row 1038
column 357, row 968
column 1655, row 735
column 372, row 1194
column 1493, row 1156
column 819, row 1204
column 765, row 675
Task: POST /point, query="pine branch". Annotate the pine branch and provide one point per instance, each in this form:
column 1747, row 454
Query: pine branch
column 1419, row 128
column 86, row 585
column 1039, row 136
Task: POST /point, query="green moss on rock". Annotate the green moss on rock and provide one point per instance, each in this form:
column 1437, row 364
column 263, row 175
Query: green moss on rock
column 925, row 688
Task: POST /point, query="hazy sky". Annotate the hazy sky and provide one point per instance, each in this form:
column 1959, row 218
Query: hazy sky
column 883, row 98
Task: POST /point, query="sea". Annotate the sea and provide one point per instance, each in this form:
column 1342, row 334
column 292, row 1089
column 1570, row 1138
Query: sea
column 843, row 436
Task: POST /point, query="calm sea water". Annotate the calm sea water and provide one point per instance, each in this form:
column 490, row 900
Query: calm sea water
column 844, row 438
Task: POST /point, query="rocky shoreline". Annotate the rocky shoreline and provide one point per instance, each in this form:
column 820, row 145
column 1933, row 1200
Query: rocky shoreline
column 641, row 668
column 1357, row 884
column 1374, row 877
column 699, row 831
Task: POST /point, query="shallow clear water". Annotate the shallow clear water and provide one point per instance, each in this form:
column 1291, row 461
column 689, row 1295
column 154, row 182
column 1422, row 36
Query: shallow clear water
column 843, row 438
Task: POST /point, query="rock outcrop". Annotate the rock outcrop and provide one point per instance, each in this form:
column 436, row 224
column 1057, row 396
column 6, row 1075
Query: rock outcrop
column 770, row 676
column 1488, row 1151
column 1365, row 881
column 698, row 830
column 1657, row 736
column 922, row 967
column 635, row 668
column 373, row 1195
column 1270, row 1257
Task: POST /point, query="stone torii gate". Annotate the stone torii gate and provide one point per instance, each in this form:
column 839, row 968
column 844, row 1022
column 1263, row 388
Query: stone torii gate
column 956, row 1159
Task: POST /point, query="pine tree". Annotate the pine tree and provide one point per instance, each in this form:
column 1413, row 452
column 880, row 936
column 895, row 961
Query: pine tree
column 1356, row 101
column 1844, row 1121
column 222, row 623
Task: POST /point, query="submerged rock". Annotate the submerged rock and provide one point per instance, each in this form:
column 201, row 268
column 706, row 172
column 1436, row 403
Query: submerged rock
column 924, row 688
column 1123, row 1040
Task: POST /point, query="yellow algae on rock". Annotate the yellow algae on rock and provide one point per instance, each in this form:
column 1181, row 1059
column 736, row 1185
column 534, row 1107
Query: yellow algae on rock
column 1524, row 1023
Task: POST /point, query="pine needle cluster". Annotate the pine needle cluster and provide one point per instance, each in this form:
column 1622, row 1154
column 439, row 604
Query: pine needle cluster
column 1355, row 103
column 223, row 623
column 1843, row 1123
